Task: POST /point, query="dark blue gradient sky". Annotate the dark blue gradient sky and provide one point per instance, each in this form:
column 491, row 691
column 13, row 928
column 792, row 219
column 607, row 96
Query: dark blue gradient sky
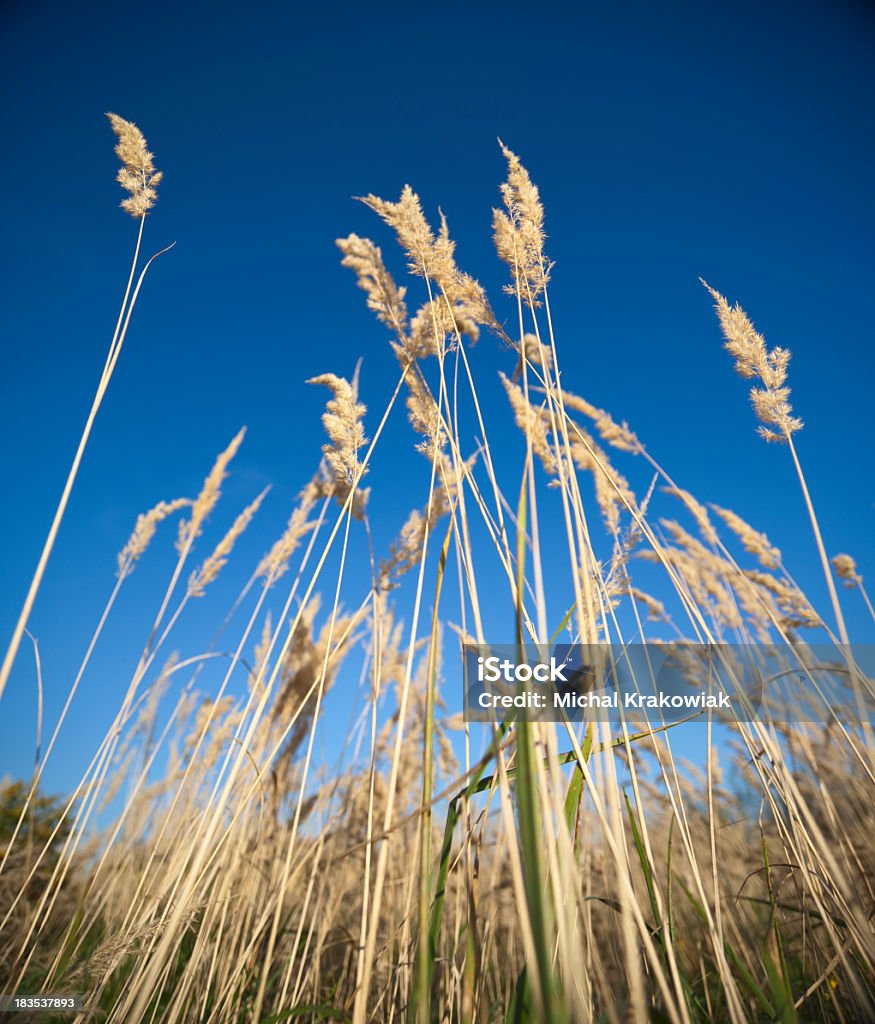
column 731, row 141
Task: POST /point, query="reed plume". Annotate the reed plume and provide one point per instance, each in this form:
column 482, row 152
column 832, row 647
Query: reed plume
column 533, row 352
column 431, row 255
column 698, row 512
column 137, row 174
column 276, row 561
column 342, row 421
column 772, row 406
column 144, row 531
column 190, row 530
column 518, row 231
column 754, row 542
column 754, row 360
column 385, row 298
column 617, row 435
column 202, row 577
column 846, row 570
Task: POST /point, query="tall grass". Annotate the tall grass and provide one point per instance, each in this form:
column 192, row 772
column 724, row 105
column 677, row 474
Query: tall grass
column 559, row 872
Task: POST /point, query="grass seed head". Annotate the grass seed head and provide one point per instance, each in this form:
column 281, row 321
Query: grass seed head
column 617, row 435
column 211, row 568
column 342, row 421
column 276, row 561
column 752, row 540
column 754, row 361
column 144, row 531
column 698, row 512
column 518, row 231
column 137, row 174
column 385, row 298
column 210, row 493
column 846, row 569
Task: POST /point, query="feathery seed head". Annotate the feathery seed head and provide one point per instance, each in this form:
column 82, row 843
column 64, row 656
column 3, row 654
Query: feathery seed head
column 698, row 512
column 200, row 579
column 464, row 305
column 208, row 497
column 276, row 561
column 438, row 326
column 617, row 435
column 137, row 174
column 519, row 232
column 342, row 421
column 414, row 234
column 612, row 490
column 534, row 423
column 708, row 577
column 795, row 608
column 752, row 540
column 385, row 298
column 532, row 351
column 425, row 416
column 144, row 531
column 655, row 609
column 846, row 569
column 754, row 360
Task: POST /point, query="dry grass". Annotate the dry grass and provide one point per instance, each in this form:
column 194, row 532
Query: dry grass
column 559, row 872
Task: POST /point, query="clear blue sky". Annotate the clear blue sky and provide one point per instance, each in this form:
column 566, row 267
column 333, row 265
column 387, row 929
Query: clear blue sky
column 731, row 141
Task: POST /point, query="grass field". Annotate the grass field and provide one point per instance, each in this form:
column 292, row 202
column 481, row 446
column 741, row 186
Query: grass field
column 429, row 869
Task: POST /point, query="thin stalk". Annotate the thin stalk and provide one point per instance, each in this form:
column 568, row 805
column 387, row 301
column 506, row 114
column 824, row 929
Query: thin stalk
column 824, row 561
column 114, row 350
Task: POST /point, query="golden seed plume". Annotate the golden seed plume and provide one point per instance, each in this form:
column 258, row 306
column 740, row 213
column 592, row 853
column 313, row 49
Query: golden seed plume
column 144, row 531
column 617, row 435
column 201, row 578
column 210, row 493
column 655, row 609
column 309, row 660
column 534, row 423
column 137, row 174
column 794, row 605
column 708, row 577
column 276, row 561
column 406, row 550
column 342, row 421
column 717, row 585
column 752, row 540
column 698, row 512
column 385, row 298
column 437, row 327
column 753, row 360
column 519, row 232
column 428, row 330
column 532, row 351
column 426, row 255
column 612, row 491
column 462, row 306
column 846, row 569
column 424, row 416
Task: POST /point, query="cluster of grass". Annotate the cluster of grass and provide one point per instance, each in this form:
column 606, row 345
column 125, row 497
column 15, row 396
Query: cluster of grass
column 439, row 870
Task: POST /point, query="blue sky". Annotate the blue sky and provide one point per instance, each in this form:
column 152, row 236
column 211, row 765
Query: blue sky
column 731, row 141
